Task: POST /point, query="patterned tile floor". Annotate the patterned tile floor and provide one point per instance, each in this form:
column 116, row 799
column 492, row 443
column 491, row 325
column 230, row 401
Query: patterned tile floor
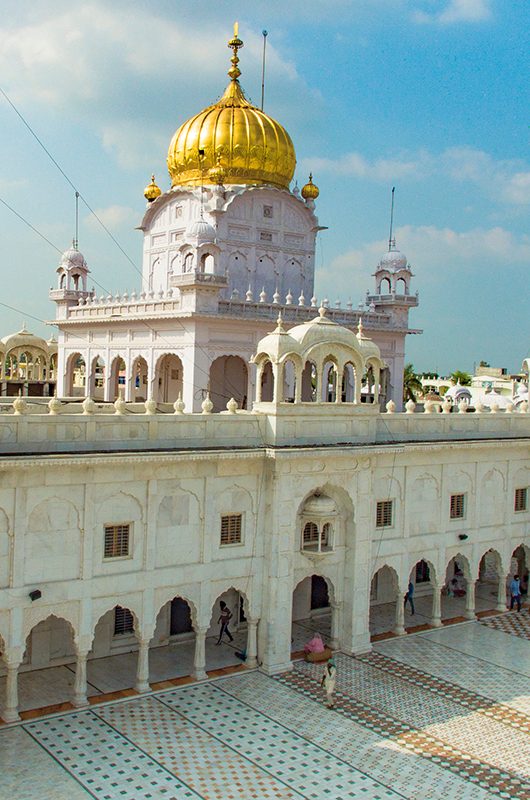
column 441, row 714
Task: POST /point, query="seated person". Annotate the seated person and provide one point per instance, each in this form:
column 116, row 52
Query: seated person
column 315, row 645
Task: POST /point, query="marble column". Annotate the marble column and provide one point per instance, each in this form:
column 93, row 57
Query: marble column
column 470, row 599
column 80, row 696
column 399, row 624
column 142, row 671
column 501, row 594
column 436, row 619
column 252, row 644
column 10, row 712
column 199, row 662
column 334, row 641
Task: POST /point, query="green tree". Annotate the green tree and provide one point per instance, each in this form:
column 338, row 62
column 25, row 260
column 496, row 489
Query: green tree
column 411, row 383
column 463, row 378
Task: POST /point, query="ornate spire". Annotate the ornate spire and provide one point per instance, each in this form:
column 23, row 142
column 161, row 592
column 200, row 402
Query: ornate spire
column 235, row 44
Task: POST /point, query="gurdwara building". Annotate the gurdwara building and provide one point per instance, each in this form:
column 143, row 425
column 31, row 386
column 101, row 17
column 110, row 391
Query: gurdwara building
column 222, row 436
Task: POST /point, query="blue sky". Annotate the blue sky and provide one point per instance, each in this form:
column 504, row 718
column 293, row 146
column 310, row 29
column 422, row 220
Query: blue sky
column 428, row 95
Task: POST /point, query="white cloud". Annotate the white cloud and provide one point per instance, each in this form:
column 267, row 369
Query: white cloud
column 111, row 70
column 505, row 181
column 113, row 217
column 457, row 11
column 433, row 253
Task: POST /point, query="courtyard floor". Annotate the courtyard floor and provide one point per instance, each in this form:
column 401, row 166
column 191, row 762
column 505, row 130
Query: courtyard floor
column 443, row 713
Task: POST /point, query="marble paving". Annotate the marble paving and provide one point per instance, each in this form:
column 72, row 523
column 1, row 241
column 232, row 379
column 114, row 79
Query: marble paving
column 444, row 713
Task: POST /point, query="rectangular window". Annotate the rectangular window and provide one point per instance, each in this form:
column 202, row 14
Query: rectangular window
column 458, row 506
column 123, row 621
column 116, row 541
column 265, row 236
column 521, row 499
column 383, row 517
column 267, row 212
column 231, row 528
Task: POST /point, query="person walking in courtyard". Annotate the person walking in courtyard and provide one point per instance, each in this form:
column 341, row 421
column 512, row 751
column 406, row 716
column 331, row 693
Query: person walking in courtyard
column 515, row 592
column 224, row 619
column 328, row 682
column 410, row 597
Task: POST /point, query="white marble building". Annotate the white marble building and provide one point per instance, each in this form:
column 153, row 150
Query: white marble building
column 131, row 525
column 225, row 248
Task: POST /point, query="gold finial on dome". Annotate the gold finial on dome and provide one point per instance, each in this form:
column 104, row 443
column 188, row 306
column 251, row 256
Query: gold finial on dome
column 152, row 191
column 255, row 149
column 235, row 44
column 310, row 191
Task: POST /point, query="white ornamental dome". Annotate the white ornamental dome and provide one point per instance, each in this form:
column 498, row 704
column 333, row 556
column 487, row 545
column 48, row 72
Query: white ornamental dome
column 23, row 339
column 201, row 232
column 73, row 258
column 393, row 260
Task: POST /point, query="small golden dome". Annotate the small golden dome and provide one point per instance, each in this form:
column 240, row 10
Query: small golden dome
column 152, row 191
column 254, row 148
column 310, row 191
column 217, row 174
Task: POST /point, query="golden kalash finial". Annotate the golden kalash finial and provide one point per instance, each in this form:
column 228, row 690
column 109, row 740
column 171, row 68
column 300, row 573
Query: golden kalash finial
column 152, row 191
column 216, row 173
column 310, row 191
column 235, row 44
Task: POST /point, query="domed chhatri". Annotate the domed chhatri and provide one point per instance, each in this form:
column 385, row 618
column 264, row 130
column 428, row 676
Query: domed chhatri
column 310, row 191
column 201, row 231
column 152, row 191
column 393, row 260
column 252, row 148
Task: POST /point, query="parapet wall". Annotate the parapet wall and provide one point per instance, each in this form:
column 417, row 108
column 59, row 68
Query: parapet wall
column 83, row 428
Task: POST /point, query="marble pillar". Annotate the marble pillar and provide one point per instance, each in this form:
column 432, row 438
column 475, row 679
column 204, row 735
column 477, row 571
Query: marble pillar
column 80, row 696
column 470, row 599
column 334, row 642
column 10, row 712
column 252, row 644
column 436, row 618
column 142, row 671
column 501, row 594
column 199, row 662
column 399, row 624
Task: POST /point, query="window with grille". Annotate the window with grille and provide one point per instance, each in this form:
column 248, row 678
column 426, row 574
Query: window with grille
column 383, row 517
column 317, row 539
column 123, row 621
column 116, row 541
column 457, row 507
column 231, row 528
column 310, row 533
column 521, row 497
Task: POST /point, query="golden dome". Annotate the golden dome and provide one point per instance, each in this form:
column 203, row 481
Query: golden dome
column 253, row 147
column 310, row 191
column 152, row 191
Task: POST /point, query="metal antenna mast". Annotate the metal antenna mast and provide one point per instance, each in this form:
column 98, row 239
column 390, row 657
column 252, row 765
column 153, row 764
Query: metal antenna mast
column 265, row 34
column 76, row 240
column 391, row 241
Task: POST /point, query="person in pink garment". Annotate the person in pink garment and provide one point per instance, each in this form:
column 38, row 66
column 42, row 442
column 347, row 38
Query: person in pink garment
column 315, row 645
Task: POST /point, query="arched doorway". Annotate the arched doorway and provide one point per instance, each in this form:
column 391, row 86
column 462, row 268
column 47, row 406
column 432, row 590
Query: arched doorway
column 386, row 603
column 491, row 589
column 117, row 378
column 138, row 381
column 228, row 378
column 75, row 376
column 173, row 647
column 266, row 385
column 312, row 613
column 223, row 646
column 49, row 644
column 168, row 379
column 115, row 637
column 426, row 597
column 458, row 593
column 310, row 383
column 97, row 377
